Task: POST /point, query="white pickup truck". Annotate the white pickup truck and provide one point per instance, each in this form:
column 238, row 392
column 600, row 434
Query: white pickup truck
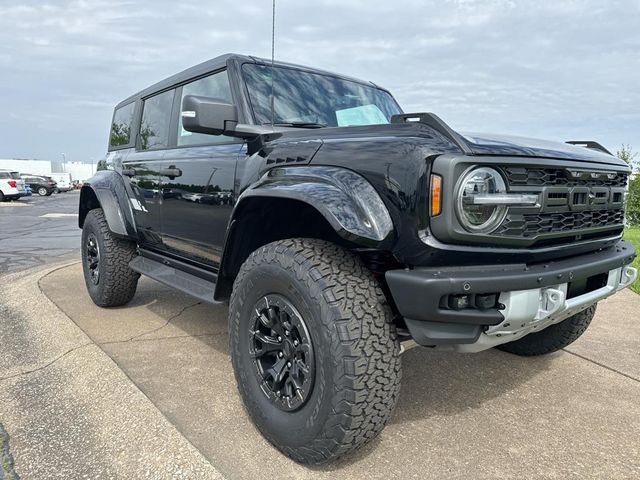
column 63, row 180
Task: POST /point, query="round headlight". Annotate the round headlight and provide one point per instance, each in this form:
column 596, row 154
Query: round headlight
column 475, row 211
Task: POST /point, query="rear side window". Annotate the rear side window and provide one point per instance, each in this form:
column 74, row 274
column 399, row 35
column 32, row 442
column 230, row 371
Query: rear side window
column 215, row 86
column 121, row 126
column 5, row 175
column 15, row 175
column 156, row 118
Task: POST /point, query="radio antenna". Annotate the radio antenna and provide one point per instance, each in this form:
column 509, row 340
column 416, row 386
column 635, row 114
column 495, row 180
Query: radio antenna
column 273, row 51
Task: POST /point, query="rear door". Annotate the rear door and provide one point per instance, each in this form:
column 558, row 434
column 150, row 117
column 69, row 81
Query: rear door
column 142, row 165
column 197, row 181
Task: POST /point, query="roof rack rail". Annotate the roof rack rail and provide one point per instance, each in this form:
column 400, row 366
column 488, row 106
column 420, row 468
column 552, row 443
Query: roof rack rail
column 436, row 123
column 589, row 144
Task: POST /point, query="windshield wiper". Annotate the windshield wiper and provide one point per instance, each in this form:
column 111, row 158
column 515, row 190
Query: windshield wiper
column 299, row 124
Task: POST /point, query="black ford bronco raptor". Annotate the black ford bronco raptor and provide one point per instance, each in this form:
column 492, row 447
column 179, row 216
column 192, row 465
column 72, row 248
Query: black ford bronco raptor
column 340, row 229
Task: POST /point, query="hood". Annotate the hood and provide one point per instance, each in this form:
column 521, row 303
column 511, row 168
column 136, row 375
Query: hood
column 490, row 144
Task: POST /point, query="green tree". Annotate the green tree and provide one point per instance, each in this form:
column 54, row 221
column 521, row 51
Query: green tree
column 627, row 154
column 633, row 201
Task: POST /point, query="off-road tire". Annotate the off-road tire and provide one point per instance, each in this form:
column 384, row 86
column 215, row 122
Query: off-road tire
column 552, row 338
column 357, row 353
column 117, row 282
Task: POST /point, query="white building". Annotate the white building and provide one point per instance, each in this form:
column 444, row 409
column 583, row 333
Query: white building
column 78, row 170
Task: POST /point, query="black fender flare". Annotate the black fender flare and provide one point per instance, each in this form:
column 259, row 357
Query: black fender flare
column 348, row 202
column 344, row 198
column 107, row 190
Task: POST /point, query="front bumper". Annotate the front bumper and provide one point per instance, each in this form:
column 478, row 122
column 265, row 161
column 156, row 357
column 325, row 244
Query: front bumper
column 531, row 297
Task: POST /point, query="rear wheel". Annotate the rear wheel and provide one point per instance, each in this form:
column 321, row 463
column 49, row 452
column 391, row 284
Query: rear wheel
column 105, row 261
column 552, row 338
column 43, row 192
column 314, row 350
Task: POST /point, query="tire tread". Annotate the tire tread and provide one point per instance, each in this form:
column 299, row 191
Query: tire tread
column 553, row 338
column 118, row 282
column 364, row 344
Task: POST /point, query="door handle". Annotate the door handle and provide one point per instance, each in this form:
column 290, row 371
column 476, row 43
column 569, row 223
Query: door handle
column 171, row 172
column 129, row 172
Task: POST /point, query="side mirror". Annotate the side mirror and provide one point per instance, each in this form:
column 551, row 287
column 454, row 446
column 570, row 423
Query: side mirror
column 208, row 115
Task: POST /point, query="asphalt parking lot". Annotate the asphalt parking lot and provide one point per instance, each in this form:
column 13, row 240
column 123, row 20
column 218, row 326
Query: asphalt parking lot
column 147, row 390
column 37, row 230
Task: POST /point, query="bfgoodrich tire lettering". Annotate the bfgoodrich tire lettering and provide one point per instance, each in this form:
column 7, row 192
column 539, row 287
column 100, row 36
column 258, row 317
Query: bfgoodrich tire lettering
column 552, row 338
column 356, row 349
column 110, row 282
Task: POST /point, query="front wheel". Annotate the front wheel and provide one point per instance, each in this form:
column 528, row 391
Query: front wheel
column 314, row 350
column 552, row 338
column 43, row 192
column 105, row 262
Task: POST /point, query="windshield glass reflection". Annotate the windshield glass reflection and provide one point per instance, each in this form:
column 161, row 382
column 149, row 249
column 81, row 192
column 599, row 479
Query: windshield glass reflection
column 315, row 100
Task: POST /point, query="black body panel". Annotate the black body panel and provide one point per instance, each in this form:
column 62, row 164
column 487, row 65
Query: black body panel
column 106, row 189
column 205, row 206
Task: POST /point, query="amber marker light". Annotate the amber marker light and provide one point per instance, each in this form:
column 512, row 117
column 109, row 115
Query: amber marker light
column 436, row 195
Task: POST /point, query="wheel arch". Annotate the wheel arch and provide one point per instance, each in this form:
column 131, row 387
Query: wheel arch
column 106, row 190
column 327, row 203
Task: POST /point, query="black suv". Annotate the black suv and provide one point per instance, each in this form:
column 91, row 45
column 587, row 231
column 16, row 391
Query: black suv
column 340, row 229
column 42, row 185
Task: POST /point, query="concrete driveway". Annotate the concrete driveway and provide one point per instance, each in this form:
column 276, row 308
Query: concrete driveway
column 572, row 414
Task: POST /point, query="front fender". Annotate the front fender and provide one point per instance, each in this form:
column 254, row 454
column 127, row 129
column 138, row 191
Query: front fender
column 345, row 199
column 107, row 190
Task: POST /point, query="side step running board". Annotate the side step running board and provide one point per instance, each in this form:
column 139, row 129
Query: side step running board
column 186, row 282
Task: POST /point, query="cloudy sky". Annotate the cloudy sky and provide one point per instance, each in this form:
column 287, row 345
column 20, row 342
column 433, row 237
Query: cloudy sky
column 552, row 69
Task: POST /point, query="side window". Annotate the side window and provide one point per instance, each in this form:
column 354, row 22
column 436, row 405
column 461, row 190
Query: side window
column 121, row 126
column 156, row 117
column 216, row 86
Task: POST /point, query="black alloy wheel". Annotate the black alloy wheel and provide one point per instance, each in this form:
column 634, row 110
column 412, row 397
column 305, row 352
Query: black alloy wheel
column 282, row 353
column 93, row 258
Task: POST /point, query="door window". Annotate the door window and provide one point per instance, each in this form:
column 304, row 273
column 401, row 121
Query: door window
column 215, row 86
column 156, row 117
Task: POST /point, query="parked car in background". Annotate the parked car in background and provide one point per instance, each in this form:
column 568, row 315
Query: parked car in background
column 63, row 180
column 11, row 185
column 42, row 185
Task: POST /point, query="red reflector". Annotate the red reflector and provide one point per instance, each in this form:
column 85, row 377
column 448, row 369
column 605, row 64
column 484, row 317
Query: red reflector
column 12, row 183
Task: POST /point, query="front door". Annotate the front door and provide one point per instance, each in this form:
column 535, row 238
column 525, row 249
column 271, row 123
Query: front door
column 197, row 181
column 197, row 200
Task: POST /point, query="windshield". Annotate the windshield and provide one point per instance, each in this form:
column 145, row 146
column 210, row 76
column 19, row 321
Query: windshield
column 315, row 100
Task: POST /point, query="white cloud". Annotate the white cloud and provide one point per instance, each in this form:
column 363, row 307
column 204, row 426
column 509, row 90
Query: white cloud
column 562, row 69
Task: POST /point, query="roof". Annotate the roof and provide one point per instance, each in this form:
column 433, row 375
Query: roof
column 220, row 62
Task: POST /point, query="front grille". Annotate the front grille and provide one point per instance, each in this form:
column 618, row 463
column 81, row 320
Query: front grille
column 521, row 176
column 531, row 225
column 574, row 204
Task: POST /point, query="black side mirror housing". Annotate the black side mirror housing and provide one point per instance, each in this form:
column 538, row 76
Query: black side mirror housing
column 208, row 115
